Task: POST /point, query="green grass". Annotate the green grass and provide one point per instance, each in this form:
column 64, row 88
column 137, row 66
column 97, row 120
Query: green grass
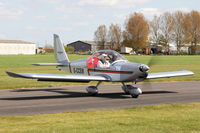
column 182, row 118
column 21, row 64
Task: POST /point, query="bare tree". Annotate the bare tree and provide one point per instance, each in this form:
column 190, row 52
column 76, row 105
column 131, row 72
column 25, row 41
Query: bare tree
column 137, row 31
column 100, row 36
column 166, row 27
column 155, row 33
column 115, row 36
column 126, row 37
column 178, row 30
column 192, row 29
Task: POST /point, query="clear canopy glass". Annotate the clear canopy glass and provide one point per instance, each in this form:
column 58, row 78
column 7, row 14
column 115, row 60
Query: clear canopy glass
column 111, row 57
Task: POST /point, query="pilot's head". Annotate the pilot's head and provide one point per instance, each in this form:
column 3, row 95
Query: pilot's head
column 103, row 56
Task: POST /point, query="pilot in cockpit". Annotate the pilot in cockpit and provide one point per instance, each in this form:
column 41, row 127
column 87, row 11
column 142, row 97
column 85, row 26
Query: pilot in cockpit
column 103, row 62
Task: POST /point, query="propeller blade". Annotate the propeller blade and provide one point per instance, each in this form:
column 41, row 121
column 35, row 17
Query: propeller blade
column 136, row 60
column 152, row 61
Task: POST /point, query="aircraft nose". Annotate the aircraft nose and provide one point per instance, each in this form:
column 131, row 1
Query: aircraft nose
column 143, row 68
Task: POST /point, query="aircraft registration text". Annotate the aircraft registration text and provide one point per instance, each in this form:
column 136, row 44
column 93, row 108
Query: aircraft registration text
column 78, row 70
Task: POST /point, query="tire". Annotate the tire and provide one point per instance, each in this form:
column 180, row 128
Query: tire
column 134, row 96
column 92, row 90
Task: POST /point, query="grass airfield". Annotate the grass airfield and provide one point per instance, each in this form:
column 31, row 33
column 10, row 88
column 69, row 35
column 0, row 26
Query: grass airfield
column 155, row 118
column 170, row 118
column 21, row 64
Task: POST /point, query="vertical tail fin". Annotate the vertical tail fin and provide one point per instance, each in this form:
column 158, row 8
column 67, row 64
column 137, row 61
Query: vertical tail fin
column 59, row 51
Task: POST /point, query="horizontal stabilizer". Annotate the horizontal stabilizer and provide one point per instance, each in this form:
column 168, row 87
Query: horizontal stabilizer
column 169, row 74
column 58, row 77
column 48, row 64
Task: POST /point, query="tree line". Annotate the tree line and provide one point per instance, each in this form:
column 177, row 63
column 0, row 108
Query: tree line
column 179, row 28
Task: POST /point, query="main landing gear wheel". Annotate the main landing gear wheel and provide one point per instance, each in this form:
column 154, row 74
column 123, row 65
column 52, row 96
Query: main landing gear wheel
column 133, row 91
column 92, row 90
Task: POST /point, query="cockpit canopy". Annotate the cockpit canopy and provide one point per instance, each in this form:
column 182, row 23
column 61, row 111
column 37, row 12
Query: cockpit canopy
column 110, row 56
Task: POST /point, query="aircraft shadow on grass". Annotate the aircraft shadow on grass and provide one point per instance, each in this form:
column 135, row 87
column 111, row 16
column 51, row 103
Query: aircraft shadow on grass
column 72, row 94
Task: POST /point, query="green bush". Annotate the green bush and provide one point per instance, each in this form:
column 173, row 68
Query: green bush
column 69, row 49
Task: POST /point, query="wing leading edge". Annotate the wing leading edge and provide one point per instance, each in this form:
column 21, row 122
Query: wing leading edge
column 48, row 64
column 58, row 77
column 169, row 74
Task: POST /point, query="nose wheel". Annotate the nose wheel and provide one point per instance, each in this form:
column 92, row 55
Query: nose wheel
column 133, row 91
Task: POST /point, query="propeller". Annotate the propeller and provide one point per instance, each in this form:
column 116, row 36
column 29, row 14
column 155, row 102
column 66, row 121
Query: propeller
column 152, row 61
column 145, row 68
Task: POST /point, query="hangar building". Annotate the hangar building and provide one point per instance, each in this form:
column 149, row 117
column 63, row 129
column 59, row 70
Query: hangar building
column 86, row 46
column 16, row 47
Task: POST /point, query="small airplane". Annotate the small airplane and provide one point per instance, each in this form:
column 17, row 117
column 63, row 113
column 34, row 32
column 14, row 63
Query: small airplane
column 103, row 65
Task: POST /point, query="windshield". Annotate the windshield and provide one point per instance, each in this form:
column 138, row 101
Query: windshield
column 109, row 56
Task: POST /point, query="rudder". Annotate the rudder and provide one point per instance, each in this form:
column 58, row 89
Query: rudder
column 59, row 51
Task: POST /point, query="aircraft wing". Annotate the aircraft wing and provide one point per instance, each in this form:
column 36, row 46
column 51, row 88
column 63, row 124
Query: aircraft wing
column 169, row 74
column 58, row 77
column 48, row 64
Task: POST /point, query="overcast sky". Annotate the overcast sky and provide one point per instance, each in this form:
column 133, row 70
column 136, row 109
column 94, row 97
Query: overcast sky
column 37, row 20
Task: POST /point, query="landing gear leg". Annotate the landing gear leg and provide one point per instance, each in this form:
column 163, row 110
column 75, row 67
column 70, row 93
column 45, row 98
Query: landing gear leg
column 133, row 91
column 98, row 83
column 125, row 88
column 93, row 90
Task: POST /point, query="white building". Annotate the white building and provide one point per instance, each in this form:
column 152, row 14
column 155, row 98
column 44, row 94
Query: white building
column 16, row 47
column 126, row 50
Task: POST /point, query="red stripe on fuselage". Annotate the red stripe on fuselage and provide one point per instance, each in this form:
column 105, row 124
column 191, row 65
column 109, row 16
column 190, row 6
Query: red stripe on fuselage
column 115, row 72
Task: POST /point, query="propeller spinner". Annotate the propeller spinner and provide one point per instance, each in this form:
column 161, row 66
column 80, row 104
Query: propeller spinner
column 143, row 68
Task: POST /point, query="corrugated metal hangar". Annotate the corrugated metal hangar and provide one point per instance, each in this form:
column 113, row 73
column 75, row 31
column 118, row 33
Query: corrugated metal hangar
column 16, row 47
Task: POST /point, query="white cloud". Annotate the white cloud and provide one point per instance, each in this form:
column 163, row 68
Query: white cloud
column 10, row 12
column 51, row 1
column 41, row 17
column 30, row 28
column 149, row 12
column 98, row 2
column 2, row 36
column 178, row 9
column 47, row 1
column 82, row 24
column 113, row 3
column 67, row 9
column 63, row 28
column 64, row 17
column 1, row 4
column 120, row 16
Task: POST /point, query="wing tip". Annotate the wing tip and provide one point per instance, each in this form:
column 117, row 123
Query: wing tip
column 189, row 72
column 11, row 74
column 35, row 64
column 16, row 75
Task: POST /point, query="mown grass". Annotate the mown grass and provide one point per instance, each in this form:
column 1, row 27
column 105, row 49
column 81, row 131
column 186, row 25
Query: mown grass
column 21, row 64
column 182, row 118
